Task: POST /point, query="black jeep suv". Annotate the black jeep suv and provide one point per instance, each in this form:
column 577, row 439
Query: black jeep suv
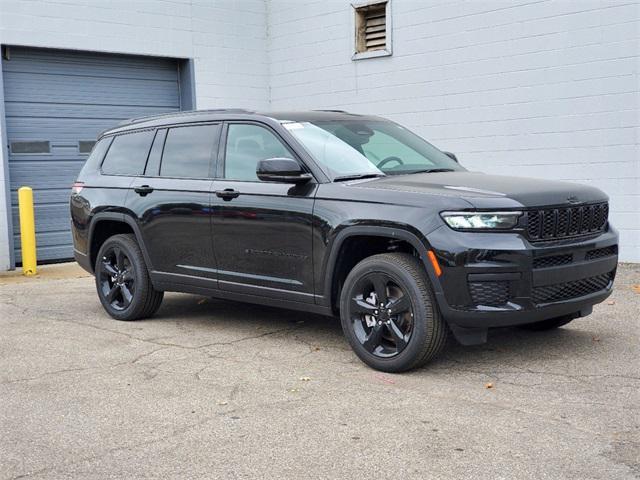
column 338, row 214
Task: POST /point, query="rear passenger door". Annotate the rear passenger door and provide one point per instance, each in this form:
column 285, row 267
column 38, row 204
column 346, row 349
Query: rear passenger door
column 172, row 204
column 124, row 161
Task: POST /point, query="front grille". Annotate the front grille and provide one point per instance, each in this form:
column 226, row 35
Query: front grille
column 556, row 223
column 568, row 290
column 602, row 252
column 489, row 293
column 552, row 261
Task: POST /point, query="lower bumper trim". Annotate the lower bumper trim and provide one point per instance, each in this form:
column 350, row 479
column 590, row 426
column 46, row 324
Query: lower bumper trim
column 504, row 318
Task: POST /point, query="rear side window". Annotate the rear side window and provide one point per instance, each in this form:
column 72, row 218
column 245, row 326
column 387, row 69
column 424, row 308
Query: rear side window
column 188, row 151
column 128, row 154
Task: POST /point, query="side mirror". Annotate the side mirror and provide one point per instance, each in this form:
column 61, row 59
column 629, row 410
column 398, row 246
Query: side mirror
column 283, row 170
column 452, row 156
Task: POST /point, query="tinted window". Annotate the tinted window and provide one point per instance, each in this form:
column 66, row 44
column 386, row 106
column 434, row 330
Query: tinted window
column 246, row 146
column 188, row 151
column 128, row 154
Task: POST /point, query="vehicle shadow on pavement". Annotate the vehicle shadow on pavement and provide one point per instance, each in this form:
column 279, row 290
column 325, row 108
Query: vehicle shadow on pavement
column 504, row 345
column 512, row 344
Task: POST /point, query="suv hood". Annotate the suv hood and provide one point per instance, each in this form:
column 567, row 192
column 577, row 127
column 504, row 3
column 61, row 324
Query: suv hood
column 490, row 191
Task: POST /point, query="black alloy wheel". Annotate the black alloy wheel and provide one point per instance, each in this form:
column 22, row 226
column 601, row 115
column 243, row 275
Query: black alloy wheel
column 117, row 278
column 389, row 314
column 122, row 280
column 382, row 315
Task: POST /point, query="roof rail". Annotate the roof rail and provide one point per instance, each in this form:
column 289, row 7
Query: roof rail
column 132, row 121
column 329, row 110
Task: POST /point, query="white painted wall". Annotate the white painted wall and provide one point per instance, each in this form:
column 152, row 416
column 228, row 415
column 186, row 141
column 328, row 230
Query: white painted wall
column 226, row 39
column 545, row 89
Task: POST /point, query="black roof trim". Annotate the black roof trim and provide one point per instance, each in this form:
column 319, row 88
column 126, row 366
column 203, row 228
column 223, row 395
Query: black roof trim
column 222, row 114
column 132, row 121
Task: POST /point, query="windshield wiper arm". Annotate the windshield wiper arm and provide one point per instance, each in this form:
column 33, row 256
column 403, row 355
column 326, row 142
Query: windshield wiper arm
column 358, row 176
column 433, row 170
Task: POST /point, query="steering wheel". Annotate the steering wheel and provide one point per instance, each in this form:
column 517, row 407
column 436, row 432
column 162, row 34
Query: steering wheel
column 390, row 159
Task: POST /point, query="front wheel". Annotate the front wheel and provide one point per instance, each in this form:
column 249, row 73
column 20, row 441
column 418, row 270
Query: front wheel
column 389, row 315
column 122, row 280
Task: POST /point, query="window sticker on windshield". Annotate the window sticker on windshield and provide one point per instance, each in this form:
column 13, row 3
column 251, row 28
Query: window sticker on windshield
column 293, row 125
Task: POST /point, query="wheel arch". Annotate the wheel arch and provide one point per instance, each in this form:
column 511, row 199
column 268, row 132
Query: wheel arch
column 335, row 270
column 103, row 220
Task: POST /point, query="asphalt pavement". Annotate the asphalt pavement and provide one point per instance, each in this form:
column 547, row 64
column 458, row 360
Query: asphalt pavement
column 217, row 389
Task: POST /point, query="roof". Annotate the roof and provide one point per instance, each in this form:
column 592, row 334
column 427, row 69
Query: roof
column 232, row 114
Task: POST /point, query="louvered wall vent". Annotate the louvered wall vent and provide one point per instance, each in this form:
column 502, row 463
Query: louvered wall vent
column 371, row 28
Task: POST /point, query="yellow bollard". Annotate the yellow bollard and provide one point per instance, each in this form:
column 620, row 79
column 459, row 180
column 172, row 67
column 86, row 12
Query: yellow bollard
column 27, row 230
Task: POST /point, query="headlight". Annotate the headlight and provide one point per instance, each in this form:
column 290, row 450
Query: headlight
column 481, row 220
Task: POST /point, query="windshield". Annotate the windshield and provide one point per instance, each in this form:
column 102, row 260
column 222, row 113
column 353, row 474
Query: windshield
column 368, row 147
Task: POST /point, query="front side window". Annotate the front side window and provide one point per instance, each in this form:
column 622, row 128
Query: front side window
column 246, row 146
column 128, row 153
column 188, row 151
column 368, row 147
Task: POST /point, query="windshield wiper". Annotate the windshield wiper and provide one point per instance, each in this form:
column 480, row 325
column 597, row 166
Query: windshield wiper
column 358, row 176
column 433, row 170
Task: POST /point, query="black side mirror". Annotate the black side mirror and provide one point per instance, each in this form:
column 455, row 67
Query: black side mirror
column 283, row 170
column 452, row 156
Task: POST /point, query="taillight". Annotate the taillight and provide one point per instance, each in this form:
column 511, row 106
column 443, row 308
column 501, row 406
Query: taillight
column 77, row 187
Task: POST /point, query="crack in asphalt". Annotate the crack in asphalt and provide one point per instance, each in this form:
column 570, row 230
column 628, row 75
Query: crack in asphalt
column 82, row 369
column 162, row 345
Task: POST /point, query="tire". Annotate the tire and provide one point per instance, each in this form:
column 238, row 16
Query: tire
column 408, row 339
column 122, row 280
column 548, row 324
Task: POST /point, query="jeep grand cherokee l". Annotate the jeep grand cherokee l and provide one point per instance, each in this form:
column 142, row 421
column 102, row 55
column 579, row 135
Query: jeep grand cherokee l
column 338, row 214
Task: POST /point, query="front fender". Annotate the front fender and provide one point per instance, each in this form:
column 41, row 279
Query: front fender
column 403, row 232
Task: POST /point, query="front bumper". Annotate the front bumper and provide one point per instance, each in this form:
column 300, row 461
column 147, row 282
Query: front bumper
column 502, row 279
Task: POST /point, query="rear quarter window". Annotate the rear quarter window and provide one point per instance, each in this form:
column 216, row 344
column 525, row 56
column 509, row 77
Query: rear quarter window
column 95, row 158
column 128, row 153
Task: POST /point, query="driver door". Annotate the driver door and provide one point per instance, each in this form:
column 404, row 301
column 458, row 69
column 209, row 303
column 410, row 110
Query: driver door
column 262, row 231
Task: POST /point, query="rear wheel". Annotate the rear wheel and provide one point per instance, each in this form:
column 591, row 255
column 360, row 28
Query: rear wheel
column 389, row 315
column 122, row 280
column 548, row 324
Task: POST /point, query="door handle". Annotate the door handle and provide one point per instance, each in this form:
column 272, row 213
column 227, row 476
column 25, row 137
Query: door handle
column 227, row 194
column 143, row 190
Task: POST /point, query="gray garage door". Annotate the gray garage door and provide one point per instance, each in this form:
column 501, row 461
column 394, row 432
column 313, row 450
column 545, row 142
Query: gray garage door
column 56, row 103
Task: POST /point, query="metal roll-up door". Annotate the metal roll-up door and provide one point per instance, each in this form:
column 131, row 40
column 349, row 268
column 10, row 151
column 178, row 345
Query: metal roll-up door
column 56, row 103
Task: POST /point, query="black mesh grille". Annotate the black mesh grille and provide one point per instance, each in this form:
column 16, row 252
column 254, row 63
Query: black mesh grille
column 489, row 293
column 552, row 261
column 555, row 223
column 578, row 288
column 602, row 252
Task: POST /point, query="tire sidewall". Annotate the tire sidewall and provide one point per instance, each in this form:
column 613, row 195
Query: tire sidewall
column 423, row 312
column 139, row 269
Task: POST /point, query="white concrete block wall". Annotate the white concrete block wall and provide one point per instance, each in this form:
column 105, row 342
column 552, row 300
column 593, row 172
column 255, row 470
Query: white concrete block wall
column 230, row 48
column 545, row 89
